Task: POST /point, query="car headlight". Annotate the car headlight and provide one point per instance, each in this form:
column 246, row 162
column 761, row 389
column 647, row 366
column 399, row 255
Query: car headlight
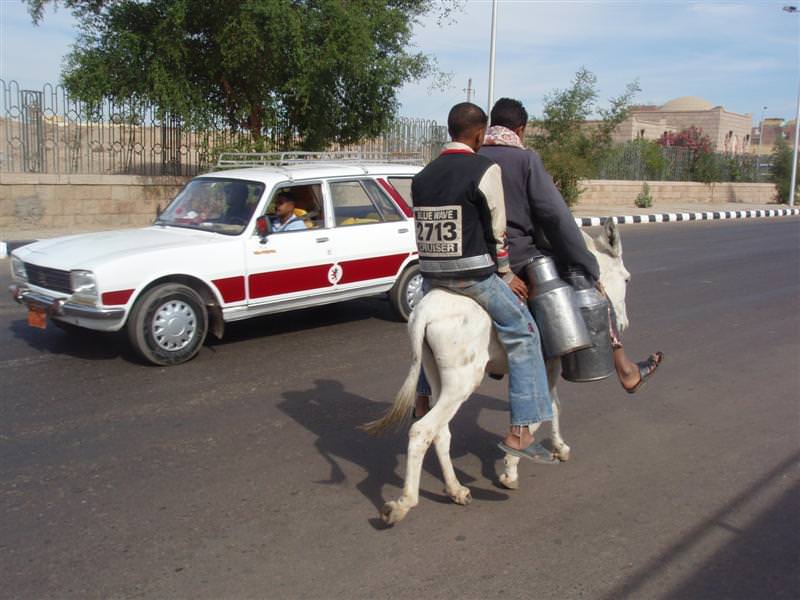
column 18, row 271
column 84, row 286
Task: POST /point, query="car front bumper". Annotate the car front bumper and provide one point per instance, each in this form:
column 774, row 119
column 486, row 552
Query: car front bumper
column 62, row 307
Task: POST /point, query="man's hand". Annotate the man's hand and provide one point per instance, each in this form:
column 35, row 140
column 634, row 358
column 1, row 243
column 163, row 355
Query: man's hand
column 519, row 288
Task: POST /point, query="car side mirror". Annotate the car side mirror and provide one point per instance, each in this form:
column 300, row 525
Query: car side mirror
column 263, row 228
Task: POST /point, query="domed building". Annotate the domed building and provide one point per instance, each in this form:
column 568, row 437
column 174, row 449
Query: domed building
column 729, row 132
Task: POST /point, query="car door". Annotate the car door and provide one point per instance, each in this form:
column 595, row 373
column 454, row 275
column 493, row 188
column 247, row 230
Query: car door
column 371, row 237
column 291, row 268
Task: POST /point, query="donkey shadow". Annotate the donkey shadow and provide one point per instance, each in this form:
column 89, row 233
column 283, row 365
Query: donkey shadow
column 333, row 415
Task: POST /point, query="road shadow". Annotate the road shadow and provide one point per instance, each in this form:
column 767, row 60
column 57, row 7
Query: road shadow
column 98, row 345
column 762, row 561
column 84, row 344
column 759, row 562
column 333, row 415
column 361, row 309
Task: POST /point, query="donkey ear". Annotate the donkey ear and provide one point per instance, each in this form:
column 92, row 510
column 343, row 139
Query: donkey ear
column 609, row 238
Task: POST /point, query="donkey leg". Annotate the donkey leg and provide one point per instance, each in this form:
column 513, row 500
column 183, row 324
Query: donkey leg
column 420, row 437
column 509, row 478
column 458, row 493
column 455, row 390
column 560, row 447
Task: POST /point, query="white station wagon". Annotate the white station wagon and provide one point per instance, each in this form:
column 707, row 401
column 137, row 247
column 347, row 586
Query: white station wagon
column 214, row 255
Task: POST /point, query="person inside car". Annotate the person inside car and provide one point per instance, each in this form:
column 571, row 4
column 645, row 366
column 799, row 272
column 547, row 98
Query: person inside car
column 285, row 218
column 237, row 211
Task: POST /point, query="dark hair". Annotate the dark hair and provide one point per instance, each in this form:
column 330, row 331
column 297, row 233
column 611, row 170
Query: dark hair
column 286, row 195
column 465, row 117
column 509, row 113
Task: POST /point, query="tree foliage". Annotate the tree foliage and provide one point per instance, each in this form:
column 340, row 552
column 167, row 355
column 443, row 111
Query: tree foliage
column 329, row 68
column 780, row 170
column 703, row 165
column 569, row 148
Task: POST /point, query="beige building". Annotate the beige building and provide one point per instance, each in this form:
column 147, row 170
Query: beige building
column 729, row 132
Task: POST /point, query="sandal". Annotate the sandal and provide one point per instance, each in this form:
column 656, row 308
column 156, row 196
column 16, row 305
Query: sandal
column 646, row 369
column 535, row 452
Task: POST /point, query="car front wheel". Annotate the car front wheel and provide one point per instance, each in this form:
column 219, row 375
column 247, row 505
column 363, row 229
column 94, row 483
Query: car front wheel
column 405, row 293
column 168, row 324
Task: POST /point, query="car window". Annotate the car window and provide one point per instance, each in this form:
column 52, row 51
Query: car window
column 388, row 210
column 403, row 187
column 308, row 205
column 214, row 204
column 352, row 205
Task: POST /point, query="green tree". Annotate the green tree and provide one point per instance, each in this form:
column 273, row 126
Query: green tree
column 703, row 164
column 330, row 69
column 780, row 169
column 571, row 148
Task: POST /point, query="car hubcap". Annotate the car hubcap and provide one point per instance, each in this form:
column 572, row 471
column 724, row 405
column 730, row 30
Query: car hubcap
column 414, row 288
column 174, row 325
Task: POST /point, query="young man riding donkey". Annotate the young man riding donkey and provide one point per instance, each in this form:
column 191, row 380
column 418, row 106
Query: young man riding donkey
column 460, row 218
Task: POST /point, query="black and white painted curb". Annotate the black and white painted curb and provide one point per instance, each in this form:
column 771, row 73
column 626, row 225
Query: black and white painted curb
column 6, row 247
column 698, row 216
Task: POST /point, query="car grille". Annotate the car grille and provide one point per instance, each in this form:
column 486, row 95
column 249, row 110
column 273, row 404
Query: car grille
column 51, row 279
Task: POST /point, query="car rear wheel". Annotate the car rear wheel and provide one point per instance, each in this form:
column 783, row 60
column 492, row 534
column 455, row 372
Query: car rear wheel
column 168, row 324
column 404, row 294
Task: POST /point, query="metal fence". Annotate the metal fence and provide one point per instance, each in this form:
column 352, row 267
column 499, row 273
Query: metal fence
column 640, row 161
column 46, row 131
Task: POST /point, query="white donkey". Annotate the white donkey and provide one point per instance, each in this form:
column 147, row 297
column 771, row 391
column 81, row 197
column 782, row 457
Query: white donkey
column 459, row 347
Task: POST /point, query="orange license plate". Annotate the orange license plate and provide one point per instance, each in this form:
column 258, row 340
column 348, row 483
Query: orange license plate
column 37, row 317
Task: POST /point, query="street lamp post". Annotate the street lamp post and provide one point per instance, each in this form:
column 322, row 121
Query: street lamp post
column 491, row 55
column 793, row 9
column 761, row 131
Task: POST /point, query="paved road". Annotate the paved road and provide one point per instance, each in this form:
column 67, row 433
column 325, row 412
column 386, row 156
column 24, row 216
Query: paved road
column 241, row 474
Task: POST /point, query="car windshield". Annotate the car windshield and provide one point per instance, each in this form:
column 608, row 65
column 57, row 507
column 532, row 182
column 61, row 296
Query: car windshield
column 211, row 204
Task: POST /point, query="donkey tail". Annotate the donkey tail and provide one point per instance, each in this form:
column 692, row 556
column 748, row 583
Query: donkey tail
column 400, row 410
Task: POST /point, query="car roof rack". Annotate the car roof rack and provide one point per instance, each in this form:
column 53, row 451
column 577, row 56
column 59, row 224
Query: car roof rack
column 237, row 160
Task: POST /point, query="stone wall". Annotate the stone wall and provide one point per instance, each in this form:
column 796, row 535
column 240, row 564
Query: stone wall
column 30, row 201
column 62, row 201
column 623, row 193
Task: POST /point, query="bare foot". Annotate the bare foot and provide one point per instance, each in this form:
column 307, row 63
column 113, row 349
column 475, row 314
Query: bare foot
column 518, row 437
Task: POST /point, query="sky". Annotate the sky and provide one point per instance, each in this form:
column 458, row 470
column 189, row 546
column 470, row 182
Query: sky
column 743, row 56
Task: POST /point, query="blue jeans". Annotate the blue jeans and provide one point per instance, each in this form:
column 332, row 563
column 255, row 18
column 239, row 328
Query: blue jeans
column 528, row 394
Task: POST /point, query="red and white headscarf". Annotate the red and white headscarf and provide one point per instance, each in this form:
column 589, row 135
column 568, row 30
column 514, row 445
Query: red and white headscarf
column 497, row 135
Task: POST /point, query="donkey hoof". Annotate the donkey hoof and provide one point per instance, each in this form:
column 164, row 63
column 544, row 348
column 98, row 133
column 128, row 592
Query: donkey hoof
column 508, row 483
column 392, row 513
column 462, row 496
column 562, row 453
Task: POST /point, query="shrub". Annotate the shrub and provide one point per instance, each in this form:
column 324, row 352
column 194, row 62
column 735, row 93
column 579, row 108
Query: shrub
column 644, row 199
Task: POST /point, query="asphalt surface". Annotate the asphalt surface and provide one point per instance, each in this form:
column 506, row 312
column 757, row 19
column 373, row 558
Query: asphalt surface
column 242, row 475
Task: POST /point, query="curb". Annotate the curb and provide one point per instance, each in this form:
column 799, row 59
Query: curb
column 698, row 216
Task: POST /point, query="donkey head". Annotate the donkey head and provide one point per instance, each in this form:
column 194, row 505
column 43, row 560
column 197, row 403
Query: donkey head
column 607, row 248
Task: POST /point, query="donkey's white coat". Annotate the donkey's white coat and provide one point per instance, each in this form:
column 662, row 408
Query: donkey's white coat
column 453, row 338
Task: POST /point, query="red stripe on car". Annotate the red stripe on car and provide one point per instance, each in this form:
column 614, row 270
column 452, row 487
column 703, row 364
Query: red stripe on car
column 288, row 281
column 371, row 268
column 118, row 297
column 231, row 288
column 398, row 199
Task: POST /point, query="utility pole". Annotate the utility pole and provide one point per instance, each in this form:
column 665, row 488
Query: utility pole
column 469, row 90
column 491, row 56
column 793, row 10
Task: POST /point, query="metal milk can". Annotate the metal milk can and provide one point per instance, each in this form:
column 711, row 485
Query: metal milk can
column 596, row 362
column 560, row 322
